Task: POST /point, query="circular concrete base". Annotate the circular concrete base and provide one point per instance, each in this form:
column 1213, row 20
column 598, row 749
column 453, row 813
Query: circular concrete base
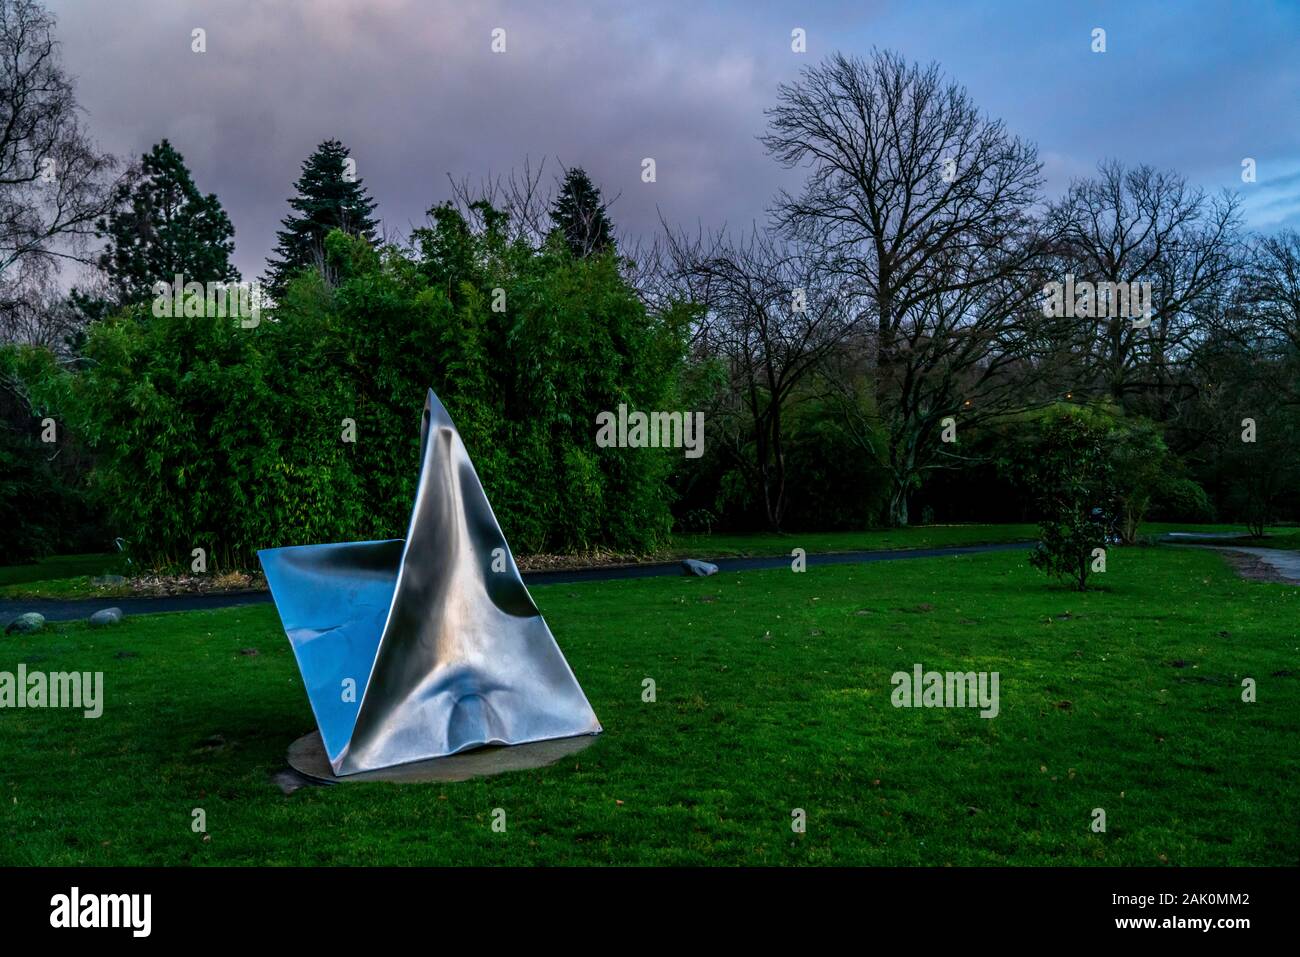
column 307, row 757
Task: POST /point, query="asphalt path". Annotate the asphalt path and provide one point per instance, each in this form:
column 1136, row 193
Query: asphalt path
column 69, row 609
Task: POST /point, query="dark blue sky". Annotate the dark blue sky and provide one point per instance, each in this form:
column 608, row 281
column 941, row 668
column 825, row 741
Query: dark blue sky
column 414, row 90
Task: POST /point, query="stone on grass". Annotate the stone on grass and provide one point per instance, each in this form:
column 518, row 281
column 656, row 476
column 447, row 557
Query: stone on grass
column 692, row 566
column 106, row 616
column 26, row 624
column 108, row 580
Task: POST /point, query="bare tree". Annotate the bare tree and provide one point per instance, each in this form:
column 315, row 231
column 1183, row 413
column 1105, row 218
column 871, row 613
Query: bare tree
column 52, row 180
column 769, row 316
column 520, row 194
column 922, row 207
column 965, row 356
column 1272, row 289
column 39, row 313
column 1133, row 225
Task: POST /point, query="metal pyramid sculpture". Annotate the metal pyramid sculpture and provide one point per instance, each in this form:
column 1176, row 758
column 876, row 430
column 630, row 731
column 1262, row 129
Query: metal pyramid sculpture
column 424, row 647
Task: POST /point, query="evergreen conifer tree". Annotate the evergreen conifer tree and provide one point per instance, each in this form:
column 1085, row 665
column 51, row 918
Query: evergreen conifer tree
column 328, row 197
column 162, row 226
column 579, row 212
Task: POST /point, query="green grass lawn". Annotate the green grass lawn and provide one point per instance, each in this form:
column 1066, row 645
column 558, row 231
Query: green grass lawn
column 882, row 539
column 773, row 694
column 887, row 539
column 61, row 576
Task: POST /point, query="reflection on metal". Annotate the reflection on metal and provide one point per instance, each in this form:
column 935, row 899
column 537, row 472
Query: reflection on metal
column 430, row 646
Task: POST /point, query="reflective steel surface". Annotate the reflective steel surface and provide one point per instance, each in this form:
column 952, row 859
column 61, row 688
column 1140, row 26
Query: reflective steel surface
column 430, row 646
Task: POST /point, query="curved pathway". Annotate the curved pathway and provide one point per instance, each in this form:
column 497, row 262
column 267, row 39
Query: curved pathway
column 69, row 609
column 1279, row 564
column 1285, row 563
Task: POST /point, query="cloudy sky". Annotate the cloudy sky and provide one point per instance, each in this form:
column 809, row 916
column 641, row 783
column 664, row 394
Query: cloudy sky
column 415, row 91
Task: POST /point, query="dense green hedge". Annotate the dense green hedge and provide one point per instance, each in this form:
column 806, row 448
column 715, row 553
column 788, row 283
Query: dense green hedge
column 207, row 434
column 44, row 506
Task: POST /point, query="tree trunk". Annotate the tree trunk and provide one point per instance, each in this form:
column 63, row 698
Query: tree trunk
column 898, row 506
column 903, row 463
column 1129, row 525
